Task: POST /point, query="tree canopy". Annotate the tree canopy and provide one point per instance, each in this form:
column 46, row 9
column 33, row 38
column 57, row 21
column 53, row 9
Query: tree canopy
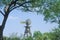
column 49, row 8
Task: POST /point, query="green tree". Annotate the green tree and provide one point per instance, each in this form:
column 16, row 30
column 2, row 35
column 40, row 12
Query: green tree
column 29, row 38
column 10, row 5
column 46, row 36
column 55, row 34
column 5, row 38
column 37, row 35
column 50, row 9
column 52, row 12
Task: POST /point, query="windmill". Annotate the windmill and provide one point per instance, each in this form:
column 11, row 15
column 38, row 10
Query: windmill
column 27, row 31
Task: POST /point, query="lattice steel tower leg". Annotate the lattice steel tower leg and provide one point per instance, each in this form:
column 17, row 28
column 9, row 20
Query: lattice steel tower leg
column 27, row 32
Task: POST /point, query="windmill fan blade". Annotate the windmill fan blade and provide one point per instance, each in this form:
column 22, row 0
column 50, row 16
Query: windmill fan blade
column 22, row 22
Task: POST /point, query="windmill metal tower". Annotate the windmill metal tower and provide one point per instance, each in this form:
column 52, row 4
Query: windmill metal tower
column 27, row 28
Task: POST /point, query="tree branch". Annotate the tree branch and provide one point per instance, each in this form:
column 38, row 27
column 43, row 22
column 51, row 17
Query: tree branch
column 20, row 5
column 1, row 12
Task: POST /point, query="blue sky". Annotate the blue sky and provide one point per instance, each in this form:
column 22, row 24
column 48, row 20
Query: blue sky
column 13, row 24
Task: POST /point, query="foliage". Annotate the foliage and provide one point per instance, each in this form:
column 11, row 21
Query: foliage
column 52, row 11
column 29, row 38
column 56, row 34
column 37, row 35
column 49, row 8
